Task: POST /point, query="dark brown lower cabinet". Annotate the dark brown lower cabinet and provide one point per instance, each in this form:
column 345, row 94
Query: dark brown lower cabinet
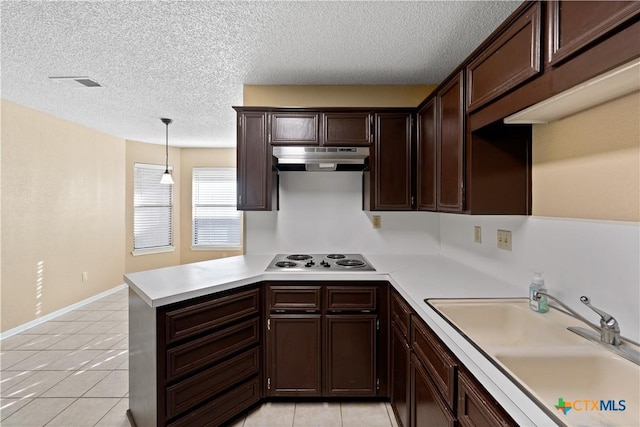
column 400, row 390
column 350, row 359
column 428, row 407
column 294, row 364
column 476, row 407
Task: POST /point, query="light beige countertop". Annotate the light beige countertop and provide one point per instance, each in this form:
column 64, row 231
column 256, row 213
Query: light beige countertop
column 415, row 277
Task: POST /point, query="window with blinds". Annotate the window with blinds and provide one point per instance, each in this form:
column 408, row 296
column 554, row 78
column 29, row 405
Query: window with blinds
column 152, row 210
column 216, row 221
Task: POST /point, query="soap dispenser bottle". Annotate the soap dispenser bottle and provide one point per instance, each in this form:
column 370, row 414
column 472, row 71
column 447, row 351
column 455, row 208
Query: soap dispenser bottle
column 537, row 284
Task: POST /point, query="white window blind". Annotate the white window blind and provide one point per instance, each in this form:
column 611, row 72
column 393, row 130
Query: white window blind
column 216, row 221
column 152, row 209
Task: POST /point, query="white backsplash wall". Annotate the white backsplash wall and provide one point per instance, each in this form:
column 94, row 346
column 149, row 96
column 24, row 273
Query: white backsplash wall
column 600, row 259
column 322, row 212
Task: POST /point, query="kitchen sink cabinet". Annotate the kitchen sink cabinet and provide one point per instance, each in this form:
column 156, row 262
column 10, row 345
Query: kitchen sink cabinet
column 426, row 157
column 388, row 184
column 255, row 176
column 429, row 385
column 450, row 131
column 400, row 360
column 476, row 407
column 347, row 129
column 294, row 128
column 428, row 407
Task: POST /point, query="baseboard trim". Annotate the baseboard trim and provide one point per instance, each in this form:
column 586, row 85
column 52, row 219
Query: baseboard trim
column 60, row 312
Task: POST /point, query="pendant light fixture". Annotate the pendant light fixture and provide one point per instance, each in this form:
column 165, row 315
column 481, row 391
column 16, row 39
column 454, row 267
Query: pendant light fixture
column 166, row 176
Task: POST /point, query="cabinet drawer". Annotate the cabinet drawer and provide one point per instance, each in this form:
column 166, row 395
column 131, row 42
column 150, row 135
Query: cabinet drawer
column 435, row 358
column 198, row 353
column 477, row 408
column 189, row 393
column 297, row 298
column 400, row 313
column 429, row 408
column 345, row 298
column 222, row 409
column 509, row 61
column 190, row 320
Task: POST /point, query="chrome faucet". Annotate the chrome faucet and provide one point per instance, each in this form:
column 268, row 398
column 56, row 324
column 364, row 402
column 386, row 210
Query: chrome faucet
column 609, row 328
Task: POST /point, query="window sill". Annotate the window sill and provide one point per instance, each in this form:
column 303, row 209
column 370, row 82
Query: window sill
column 216, row 248
column 139, row 252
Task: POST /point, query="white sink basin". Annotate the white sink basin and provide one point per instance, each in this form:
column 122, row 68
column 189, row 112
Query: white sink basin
column 508, row 323
column 584, row 380
column 550, row 362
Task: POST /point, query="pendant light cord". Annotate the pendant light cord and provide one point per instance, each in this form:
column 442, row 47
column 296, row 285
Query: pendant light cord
column 166, row 163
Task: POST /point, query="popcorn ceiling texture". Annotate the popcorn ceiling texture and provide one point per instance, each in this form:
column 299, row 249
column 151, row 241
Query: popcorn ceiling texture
column 188, row 60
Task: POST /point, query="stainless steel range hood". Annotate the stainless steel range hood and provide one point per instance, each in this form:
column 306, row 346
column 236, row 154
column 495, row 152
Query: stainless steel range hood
column 298, row 158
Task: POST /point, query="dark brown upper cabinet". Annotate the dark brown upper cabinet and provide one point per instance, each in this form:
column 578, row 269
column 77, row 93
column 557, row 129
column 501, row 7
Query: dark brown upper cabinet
column 512, row 59
column 427, row 157
column 347, row 129
column 289, row 128
column 574, row 25
column 450, row 144
column 389, row 187
column 254, row 162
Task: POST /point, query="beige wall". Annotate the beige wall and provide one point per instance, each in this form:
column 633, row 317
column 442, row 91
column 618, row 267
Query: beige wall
column 335, row 96
column 62, row 213
column 141, row 152
column 191, row 158
column 588, row 165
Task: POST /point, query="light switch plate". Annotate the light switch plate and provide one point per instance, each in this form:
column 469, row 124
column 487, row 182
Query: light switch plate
column 377, row 222
column 477, row 234
column 504, row 240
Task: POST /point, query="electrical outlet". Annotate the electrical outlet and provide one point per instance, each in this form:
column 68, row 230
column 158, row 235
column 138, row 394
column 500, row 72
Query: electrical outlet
column 377, row 222
column 504, row 240
column 477, row 234
column 85, row 276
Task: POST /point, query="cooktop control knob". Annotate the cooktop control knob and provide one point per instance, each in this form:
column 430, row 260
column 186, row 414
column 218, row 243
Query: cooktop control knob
column 309, row 264
column 325, row 264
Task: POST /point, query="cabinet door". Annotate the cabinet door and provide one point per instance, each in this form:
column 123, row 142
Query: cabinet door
column 427, row 407
column 294, row 129
column 574, row 25
column 294, row 355
column 510, row 60
column 351, row 355
column 391, row 164
column 254, row 162
column 427, row 160
column 400, row 361
column 347, row 129
column 451, row 145
column 476, row 408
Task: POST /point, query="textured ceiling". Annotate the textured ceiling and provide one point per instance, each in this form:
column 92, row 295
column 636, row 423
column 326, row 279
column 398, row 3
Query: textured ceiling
column 188, row 60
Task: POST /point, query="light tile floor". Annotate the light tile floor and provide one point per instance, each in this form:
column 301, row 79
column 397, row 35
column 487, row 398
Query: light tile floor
column 73, row 371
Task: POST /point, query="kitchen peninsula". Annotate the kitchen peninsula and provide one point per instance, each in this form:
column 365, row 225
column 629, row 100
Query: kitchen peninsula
column 155, row 324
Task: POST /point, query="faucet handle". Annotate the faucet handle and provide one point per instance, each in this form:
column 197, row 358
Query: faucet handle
column 610, row 331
